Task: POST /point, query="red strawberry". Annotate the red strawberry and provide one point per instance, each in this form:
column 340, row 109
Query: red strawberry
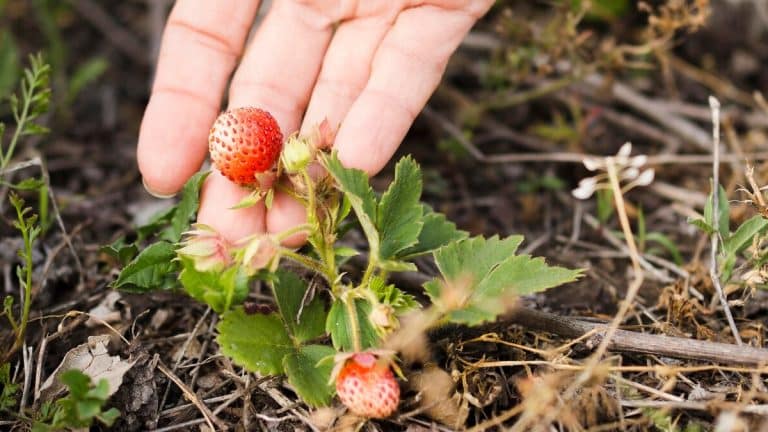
column 244, row 142
column 367, row 386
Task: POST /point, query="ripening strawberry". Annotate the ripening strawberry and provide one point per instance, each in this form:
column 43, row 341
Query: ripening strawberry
column 244, row 142
column 367, row 386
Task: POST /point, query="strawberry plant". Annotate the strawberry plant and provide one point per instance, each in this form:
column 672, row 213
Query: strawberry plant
column 342, row 315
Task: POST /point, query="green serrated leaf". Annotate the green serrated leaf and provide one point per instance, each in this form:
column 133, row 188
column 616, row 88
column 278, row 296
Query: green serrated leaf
column 77, row 381
column 476, row 314
column 156, row 223
column 78, row 409
column 258, row 342
column 108, row 417
column 221, row 290
column 399, row 212
column 354, row 184
column 153, row 268
column 744, row 234
column 397, row 266
column 344, row 209
column 308, row 375
column 305, row 322
column 120, row 250
column 486, row 274
column 87, row 409
column 100, row 390
column 521, row 275
column 338, row 324
column 436, row 232
column 389, row 294
column 474, row 257
column 186, row 209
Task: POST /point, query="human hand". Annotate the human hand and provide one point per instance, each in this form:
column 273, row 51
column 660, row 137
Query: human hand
column 368, row 66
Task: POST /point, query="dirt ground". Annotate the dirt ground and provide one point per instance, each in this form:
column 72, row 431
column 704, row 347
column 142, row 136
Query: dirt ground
column 534, row 87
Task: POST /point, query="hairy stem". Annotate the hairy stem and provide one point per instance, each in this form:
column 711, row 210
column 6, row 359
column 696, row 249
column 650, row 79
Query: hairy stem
column 307, row 262
column 354, row 328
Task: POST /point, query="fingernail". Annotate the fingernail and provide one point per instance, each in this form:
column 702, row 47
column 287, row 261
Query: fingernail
column 153, row 193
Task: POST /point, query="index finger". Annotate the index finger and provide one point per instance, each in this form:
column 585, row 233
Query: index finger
column 406, row 69
column 201, row 44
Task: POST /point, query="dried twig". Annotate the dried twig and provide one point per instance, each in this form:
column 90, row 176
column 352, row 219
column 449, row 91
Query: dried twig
column 698, row 406
column 210, row 417
column 715, row 238
column 578, row 158
column 634, row 342
column 680, row 126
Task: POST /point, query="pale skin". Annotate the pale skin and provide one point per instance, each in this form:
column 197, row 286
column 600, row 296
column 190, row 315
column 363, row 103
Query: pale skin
column 368, row 66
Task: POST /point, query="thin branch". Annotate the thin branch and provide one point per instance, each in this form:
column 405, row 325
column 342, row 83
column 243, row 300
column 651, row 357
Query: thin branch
column 210, row 417
column 578, row 158
column 635, row 342
column 623, row 93
column 714, row 104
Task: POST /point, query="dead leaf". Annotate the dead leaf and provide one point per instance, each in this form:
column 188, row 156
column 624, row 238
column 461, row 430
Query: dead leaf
column 105, row 311
column 91, row 358
column 439, row 397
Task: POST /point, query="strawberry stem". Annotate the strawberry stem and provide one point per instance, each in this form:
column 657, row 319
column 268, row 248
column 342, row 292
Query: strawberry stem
column 354, row 327
column 308, row 262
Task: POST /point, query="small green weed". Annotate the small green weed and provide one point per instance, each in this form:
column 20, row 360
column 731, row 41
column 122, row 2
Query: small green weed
column 84, row 404
column 10, row 389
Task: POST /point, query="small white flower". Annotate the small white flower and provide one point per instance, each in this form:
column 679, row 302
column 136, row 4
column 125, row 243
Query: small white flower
column 624, row 151
column 638, row 161
column 628, row 167
column 646, row 177
column 593, row 164
column 586, row 188
column 630, row 173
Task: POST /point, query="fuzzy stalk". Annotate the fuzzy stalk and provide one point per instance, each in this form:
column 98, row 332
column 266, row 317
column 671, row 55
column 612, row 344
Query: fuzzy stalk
column 354, row 327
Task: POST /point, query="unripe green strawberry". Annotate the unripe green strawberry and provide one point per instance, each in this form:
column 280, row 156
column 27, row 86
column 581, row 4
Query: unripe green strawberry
column 245, row 142
column 367, row 386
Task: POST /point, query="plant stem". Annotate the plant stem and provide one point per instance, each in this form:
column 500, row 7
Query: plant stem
column 21, row 120
column 714, row 105
column 307, row 262
column 27, row 284
column 368, row 271
column 354, row 328
column 311, row 199
column 289, row 232
column 12, row 321
column 634, row 255
column 634, row 287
